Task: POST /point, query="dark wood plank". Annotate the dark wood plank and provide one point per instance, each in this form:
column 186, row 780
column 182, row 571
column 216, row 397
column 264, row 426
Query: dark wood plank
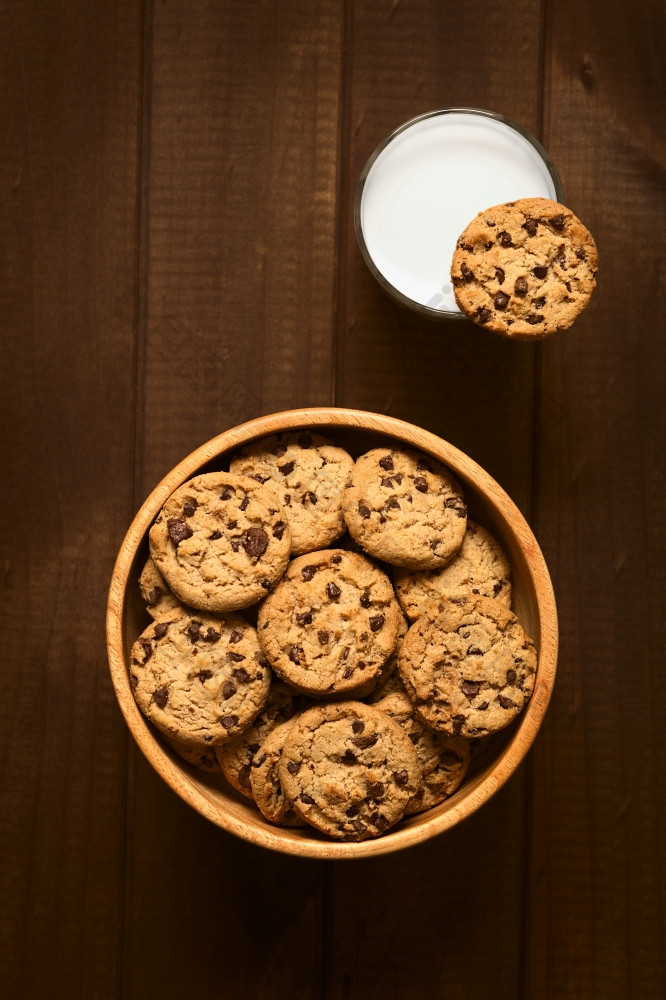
column 71, row 86
column 239, row 321
column 596, row 908
column 412, row 924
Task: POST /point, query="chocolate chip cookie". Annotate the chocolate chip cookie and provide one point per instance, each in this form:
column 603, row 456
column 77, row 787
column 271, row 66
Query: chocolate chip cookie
column 524, row 269
column 405, row 508
column 265, row 780
column 480, row 567
column 200, row 679
column 203, row 758
column 349, row 770
column 310, row 473
column 221, row 541
column 468, row 666
column 236, row 757
column 330, row 624
column 155, row 591
column 444, row 759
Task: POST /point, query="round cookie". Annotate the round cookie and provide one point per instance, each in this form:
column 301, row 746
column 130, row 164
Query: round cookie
column 444, row 759
column 480, row 567
column 310, row 473
column 201, row 680
column 468, row 666
column 405, row 508
column 200, row 757
column 330, row 624
column 221, row 541
column 524, row 269
column 349, row 770
column 265, row 780
column 235, row 758
column 155, row 591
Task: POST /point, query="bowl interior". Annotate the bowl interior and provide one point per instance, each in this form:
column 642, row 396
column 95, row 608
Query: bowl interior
column 494, row 758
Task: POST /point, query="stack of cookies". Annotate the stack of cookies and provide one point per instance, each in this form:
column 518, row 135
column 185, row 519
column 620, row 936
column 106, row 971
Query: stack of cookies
column 331, row 635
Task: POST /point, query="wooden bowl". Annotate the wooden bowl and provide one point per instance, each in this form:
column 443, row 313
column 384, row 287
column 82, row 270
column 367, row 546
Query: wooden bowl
column 533, row 603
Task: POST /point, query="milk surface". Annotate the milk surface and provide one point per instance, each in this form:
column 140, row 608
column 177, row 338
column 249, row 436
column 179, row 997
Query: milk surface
column 426, row 186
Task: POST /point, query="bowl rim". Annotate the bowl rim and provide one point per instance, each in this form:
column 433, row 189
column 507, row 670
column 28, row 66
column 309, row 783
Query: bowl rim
column 483, row 786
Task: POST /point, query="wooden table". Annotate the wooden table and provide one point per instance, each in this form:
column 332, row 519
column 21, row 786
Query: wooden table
column 179, row 256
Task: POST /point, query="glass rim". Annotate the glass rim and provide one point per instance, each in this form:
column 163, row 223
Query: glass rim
column 395, row 293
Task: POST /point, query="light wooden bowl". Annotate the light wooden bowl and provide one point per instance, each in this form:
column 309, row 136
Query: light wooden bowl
column 533, row 602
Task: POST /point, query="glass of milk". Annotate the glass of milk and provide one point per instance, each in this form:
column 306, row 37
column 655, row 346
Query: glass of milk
column 425, row 183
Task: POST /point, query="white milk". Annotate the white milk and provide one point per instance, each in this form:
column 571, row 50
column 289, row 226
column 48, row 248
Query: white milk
column 428, row 183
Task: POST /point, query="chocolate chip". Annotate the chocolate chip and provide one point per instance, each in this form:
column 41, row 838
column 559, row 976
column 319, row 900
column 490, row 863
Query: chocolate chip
column 322, row 635
column 483, row 314
column 235, row 636
column 294, row 766
column 154, row 596
column 470, row 688
column 533, row 319
column 376, row 789
column 308, row 496
column 359, row 827
column 228, row 690
column 393, row 504
column 363, row 637
column 261, row 479
column 345, row 654
column 308, row 572
column 227, row 493
column 280, row 450
column 229, row 721
column 363, row 510
column 241, row 675
column 244, row 775
column 214, row 537
column 295, row 653
column 147, row 648
column 497, row 586
column 287, row 499
column 262, row 660
column 161, row 629
column 377, row 622
column 557, row 222
column 567, row 286
column 305, row 440
column 580, row 253
column 474, row 651
column 539, row 303
column 520, row 287
column 506, row 702
column 511, row 676
column 232, row 525
column 189, row 508
column 178, row 531
column 193, row 630
column 255, row 542
column 363, row 742
column 386, row 463
column 278, row 530
column 336, row 559
column 352, row 811
column 349, row 757
column 466, row 246
column 539, row 272
column 504, row 239
column 483, row 707
column 245, row 503
column 358, row 726
column 304, row 618
column 333, row 591
column 365, row 599
column 499, row 275
column 306, row 798
column 134, row 680
column 455, row 503
column 387, row 483
column 421, row 484
column 235, row 657
column 211, row 635
column 348, row 672
column 501, row 300
column 531, row 226
column 458, row 722
column 466, row 272
column 286, row 468
column 161, row 696
column 400, row 777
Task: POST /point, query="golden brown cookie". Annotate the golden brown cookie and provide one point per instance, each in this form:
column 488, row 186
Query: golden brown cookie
column 480, row 567
column 330, row 624
column 155, row 591
column 265, row 780
column 524, row 269
column 405, row 508
column 349, row 770
column 200, row 679
column 310, row 474
column 468, row 666
column 221, row 541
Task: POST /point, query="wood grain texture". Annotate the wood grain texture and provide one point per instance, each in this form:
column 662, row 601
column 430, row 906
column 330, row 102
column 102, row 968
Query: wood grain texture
column 68, row 297
column 596, row 911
